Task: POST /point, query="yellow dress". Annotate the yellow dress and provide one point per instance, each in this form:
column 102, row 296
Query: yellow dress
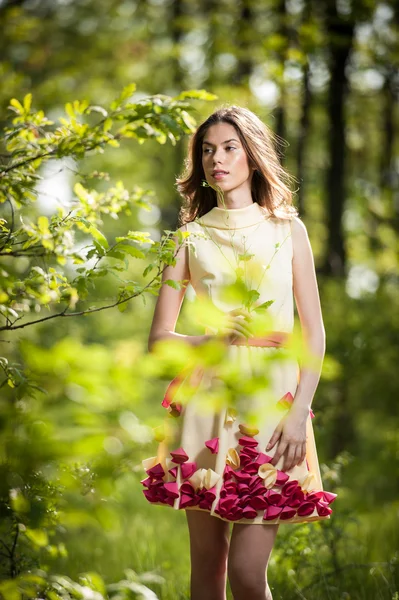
column 218, row 463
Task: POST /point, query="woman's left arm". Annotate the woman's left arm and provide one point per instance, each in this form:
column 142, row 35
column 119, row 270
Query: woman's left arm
column 291, row 431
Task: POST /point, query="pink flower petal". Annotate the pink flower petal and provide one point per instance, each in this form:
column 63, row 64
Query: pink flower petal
column 329, row 497
column 258, row 487
column 249, row 451
column 263, row 458
column 306, row 509
column 210, row 494
column 290, row 487
column 213, row 445
column 157, row 483
column 251, row 468
column 235, row 515
column 298, row 495
column 244, row 500
column 228, row 472
column 294, row 502
column 227, row 503
column 242, row 488
column 322, row 510
column 171, row 489
column 146, row 481
column 249, row 513
column 206, row 504
column 171, row 390
column 281, row 478
column 156, row 471
column 186, row 500
column 179, row 456
column 150, row 495
column 287, row 513
column 245, row 440
column 258, row 503
column 242, row 477
column 273, row 497
column 286, row 400
column 187, row 488
column 187, row 469
column 314, row 496
column 173, row 471
column 272, row 512
column 230, row 486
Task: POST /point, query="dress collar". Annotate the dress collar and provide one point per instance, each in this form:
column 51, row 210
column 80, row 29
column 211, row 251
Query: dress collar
column 234, row 218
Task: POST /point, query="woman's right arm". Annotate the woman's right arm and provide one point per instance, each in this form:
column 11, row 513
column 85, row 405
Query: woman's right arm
column 168, row 305
column 169, row 301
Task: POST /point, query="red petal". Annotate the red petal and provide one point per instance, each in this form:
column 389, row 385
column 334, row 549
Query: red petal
column 259, row 503
column 262, row 459
column 322, row 510
column 171, row 489
column 245, row 440
column 249, row 513
column 173, row 471
column 273, row 497
column 281, row 478
column 213, row 445
column 186, row 500
column 187, row 469
column 146, row 481
column 187, row 488
column 287, row 513
column 156, row 471
column 329, row 497
column 150, row 495
column 179, row 456
column 306, row 509
column 272, row 512
column 290, row 487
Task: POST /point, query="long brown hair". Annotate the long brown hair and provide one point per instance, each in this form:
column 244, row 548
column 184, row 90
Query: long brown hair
column 270, row 181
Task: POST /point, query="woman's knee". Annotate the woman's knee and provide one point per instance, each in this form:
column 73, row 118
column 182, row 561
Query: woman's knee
column 209, row 543
column 246, row 583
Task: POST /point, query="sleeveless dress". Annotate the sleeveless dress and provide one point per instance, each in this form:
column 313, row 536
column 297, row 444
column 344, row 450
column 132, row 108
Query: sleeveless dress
column 215, row 461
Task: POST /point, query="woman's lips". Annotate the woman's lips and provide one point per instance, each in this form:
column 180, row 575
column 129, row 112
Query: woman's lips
column 219, row 175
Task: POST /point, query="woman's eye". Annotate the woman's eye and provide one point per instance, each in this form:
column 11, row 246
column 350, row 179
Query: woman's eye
column 207, row 150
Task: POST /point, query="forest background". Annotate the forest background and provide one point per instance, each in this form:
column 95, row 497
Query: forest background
column 80, row 399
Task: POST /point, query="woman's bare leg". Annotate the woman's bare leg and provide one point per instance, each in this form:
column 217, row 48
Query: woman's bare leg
column 250, row 550
column 209, row 549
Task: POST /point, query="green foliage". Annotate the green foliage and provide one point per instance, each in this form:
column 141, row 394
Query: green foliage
column 62, row 443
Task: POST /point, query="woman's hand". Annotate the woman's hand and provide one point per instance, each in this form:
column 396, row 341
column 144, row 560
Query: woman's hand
column 290, row 434
column 235, row 324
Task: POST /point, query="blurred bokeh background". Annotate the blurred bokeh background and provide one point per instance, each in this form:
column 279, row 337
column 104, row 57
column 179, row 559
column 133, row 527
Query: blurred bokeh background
column 325, row 77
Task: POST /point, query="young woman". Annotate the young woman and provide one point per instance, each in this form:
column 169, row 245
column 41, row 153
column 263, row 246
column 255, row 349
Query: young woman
column 222, row 470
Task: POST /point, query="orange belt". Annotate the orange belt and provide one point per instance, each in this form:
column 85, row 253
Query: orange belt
column 274, row 338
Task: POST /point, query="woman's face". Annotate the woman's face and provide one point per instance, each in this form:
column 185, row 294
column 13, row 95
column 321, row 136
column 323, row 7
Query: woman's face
column 223, row 151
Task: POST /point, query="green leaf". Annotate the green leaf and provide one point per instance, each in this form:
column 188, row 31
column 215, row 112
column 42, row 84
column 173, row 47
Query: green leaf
column 245, row 256
column 196, row 95
column 174, row 284
column 9, row 589
column 132, row 250
column 122, row 307
column 100, row 237
column 16, row 104
column 263, row 306
column 37, row 536
column 27, row 102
